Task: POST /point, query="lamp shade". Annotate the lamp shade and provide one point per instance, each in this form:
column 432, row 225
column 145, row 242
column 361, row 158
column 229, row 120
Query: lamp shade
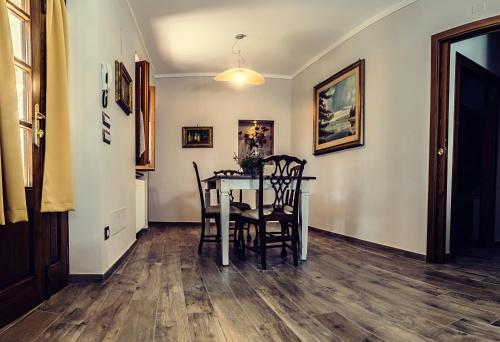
column 241, row 76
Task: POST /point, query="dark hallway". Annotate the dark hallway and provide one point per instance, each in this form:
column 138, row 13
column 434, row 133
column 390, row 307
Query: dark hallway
column 475, row 217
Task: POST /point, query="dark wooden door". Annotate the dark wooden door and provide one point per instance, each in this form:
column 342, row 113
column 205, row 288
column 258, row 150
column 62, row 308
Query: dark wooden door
column 477, row 108
column 33, row 254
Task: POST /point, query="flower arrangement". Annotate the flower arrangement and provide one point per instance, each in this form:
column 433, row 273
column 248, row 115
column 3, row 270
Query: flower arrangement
column 256, row 136
column 249, row 162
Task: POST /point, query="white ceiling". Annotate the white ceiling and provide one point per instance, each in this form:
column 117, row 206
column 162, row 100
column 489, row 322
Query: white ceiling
column 284, row 36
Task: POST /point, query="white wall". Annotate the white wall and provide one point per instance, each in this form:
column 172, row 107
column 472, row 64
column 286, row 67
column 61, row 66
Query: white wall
column 378, row 192
column 85, row 234
column 104, row 176
column 201, row 101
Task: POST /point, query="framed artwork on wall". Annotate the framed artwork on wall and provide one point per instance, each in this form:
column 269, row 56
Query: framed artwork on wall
column 197, row 137
column 339, row 110
column 255, row 136
column 123, row 88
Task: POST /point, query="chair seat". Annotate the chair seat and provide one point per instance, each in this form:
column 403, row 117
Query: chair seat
column 287, row 208
column 241, row 205
column 216, row 210
column 268, row 210
column 254, row 213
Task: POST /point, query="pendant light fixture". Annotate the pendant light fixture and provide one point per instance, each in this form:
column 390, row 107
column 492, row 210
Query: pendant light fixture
column 240, row 75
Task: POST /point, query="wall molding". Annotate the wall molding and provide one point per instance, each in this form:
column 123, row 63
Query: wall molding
column 350, row 239
column 139, row 32
column 141, row 233
column 371, row 245
column 102, row 278
column 373, row 20
column 213, row 74
column 167, row 224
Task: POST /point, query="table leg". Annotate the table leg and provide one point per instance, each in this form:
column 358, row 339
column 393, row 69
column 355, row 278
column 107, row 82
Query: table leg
column 304, row 213
column 224, row 222
column 207, row 204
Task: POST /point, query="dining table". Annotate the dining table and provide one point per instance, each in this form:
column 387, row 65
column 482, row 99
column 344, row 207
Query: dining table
column 226, row 183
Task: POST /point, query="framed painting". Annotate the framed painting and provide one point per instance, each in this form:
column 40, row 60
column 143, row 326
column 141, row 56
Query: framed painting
column 255, row 136
column 123, row 88
column 197, row 137
column 339, row 110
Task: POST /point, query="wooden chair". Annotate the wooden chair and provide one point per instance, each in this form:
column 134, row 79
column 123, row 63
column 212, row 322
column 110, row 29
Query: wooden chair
column 294, row 171
column 284, row 209
column 238, row 204
column 211, row 212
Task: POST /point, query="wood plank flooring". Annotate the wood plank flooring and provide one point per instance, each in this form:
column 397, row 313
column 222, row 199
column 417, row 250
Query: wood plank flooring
column 166, row 292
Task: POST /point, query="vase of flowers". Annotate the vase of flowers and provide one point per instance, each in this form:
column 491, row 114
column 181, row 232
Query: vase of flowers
column 256, row 137
column 249, row 162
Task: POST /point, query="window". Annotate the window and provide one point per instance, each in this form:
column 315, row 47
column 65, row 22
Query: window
column 20, row 24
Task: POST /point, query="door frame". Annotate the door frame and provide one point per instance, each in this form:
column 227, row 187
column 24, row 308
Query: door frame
column 438, row 146
column 49, row 235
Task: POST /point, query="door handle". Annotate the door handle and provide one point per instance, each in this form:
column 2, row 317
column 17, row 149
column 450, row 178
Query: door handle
column 38, row 133
column 440, row 151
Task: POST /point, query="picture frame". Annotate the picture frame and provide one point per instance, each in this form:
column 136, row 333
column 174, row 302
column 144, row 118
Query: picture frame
column 256, row 135
column 124, row 90
column 197, row 137
column 339, row 106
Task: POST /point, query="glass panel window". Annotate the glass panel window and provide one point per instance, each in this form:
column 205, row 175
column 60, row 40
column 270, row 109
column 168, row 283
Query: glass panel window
column 25, row 134
column 20, row 22
column 23, row 81
column 22, row 4
column 19, row 29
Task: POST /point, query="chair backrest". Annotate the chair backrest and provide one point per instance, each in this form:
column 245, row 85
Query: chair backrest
column 229, row 173
column 200, row 188
column 284, row 171
column 289, row 196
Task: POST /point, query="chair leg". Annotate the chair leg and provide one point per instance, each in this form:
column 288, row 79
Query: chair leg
column 249, row 236
column 295, row 244
column 241, row 238
column 236, row 235
column 202, row 235
column 284, row 228
column 263, row 246
column 217, row 223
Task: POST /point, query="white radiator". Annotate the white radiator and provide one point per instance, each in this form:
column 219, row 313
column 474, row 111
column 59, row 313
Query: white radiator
column 140, row 205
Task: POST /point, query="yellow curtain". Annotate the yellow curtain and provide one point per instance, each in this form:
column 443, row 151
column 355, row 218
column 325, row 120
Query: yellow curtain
column 57, row 191
column 12, row 195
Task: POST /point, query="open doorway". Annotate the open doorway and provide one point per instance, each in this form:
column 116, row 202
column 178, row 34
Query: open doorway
column 474, row 94
column 463, row 210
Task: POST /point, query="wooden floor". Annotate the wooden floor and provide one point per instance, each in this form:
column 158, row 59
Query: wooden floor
column 165, row 292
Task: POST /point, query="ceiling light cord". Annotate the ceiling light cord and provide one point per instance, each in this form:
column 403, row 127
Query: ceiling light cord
column 237, row 51
column 240, row 75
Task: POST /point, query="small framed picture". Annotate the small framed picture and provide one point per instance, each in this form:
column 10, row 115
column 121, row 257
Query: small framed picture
column 123, row 88
column 197, row 137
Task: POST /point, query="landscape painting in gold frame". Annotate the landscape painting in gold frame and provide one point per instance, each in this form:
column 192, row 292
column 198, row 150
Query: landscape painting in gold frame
column 339, row 110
